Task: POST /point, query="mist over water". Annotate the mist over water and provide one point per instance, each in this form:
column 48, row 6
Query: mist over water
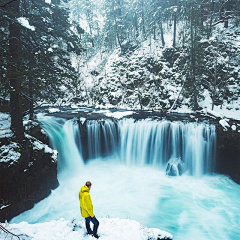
column 131, row 183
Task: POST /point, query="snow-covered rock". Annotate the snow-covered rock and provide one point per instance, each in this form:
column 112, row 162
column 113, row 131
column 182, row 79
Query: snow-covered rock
column 10, row 153
column 109, row 229
column 25, row 23
column 224, row 123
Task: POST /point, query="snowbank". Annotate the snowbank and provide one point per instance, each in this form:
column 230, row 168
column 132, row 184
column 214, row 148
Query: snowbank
column 116, row 114
column 109, row 229
column 227, row 110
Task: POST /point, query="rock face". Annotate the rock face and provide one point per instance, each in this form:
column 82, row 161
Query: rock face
column 28, row 172
column 228, row 153
column 175, row 167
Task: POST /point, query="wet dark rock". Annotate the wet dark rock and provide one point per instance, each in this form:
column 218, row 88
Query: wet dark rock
column 95, row 73
column 175, row 167
column 228, row 153
column 4, row 105
column 27, row 179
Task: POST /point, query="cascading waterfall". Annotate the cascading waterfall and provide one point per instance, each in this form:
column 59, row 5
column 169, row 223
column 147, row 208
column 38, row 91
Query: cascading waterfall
column 154, row 143
column 140, row 143
column 102, row 138
column 64, row 137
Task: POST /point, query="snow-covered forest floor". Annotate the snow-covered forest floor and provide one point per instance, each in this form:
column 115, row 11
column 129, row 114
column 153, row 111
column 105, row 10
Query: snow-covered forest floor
column 145, row 77
column 109, row 229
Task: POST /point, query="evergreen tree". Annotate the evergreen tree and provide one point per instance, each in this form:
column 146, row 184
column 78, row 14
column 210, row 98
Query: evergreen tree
column 11, row 59
column 46, row 40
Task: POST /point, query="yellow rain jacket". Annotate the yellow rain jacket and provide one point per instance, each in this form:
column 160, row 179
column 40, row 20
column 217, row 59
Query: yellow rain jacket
column 85, row 202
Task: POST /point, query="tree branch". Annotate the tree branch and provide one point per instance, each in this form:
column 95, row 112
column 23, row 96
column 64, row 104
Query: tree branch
column 4, row 5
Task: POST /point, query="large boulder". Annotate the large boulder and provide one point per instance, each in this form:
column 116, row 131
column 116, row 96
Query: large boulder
column 175, row 167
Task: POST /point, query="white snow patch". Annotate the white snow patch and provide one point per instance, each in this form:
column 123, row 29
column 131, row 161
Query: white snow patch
column 5, row 122
column 48, row 1
column 234, row 128
column 74, row 106
column 109, row 229
column 82, row 120
column 41, row 146
column 53, row 110
column 10, row 153
column 63, row 88
column 3, row 206
column 224, row 123
column 227, row 110
column 25, row 23
column 119, row 115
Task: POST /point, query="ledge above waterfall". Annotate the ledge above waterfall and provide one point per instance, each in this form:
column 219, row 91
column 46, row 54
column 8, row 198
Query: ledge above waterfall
column 87, row 113
column 109, row 229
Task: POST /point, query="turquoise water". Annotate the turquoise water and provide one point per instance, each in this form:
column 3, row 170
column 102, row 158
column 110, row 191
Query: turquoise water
column 189, row 207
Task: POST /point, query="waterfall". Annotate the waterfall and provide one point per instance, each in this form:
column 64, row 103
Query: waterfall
column 64, row 137
column 157, row 142
column 143, row 142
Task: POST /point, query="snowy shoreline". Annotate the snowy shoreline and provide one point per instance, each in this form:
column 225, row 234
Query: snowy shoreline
column 109, row 229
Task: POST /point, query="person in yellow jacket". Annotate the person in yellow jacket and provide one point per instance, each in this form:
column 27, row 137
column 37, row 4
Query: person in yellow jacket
column 87, row 209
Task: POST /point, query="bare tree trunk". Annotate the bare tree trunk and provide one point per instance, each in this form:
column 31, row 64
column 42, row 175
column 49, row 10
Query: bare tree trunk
column 31, row 109
column 174, row 29
column 135, row 23
column 177, row 97
column 15, row 80
column 89, row 19
column 143, row 18
column 154, row 33
column 117, row 28
column 193, row 63
column 162, row 34
column 227, row 13
column 211, row 20
column 215, row 83
column 119, row 41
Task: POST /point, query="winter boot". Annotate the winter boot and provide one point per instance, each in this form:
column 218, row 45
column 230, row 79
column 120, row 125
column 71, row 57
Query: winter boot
column 96, row 236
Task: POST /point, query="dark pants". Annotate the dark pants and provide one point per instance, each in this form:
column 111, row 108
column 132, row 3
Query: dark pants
column 95, row 223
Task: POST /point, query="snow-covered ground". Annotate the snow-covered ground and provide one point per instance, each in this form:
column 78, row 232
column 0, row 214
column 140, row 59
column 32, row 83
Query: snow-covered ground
column 109, row 229
column 5, row 122
column 228, row 110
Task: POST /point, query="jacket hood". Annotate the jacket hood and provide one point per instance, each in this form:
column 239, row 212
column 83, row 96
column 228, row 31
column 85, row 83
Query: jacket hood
column 84, row 189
